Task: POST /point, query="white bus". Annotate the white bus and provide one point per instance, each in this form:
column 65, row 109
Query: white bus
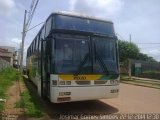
column 73, row 58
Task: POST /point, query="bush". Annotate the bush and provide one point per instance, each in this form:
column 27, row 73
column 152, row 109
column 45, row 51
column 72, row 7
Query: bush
column 7, row 77
column 151, row 74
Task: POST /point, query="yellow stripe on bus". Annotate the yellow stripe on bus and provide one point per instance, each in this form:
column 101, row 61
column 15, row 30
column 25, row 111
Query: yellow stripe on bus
column 79, row 77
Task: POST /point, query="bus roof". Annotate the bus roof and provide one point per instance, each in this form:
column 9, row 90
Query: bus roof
column 74, row 14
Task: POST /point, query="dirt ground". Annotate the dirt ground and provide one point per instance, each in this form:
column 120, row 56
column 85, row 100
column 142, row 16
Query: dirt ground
column 132, row 99
column 13, row 95
column 136, row 99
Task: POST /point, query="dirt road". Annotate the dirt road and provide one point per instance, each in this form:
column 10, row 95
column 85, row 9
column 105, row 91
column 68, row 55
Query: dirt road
column 13, row 95
column 136, row 99
column 132, row 99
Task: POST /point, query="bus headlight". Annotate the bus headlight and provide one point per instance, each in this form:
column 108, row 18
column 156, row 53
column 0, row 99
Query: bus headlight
column 62, row 82
column 114, row 82
column 68, row 82
column 54, row 82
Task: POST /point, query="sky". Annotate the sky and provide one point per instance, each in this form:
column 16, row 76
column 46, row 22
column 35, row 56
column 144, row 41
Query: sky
column 140, row 18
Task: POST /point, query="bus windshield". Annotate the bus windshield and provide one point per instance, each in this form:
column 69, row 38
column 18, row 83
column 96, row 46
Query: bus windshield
column 69, row 55
column 105, row 56
column 79, row 56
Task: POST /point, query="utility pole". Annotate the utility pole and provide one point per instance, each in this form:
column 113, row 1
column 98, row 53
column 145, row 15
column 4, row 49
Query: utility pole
column 129, row 62
column 130, row 38
column 19, row 54
column 26, row 25
column 23, row 38
column 129, row 68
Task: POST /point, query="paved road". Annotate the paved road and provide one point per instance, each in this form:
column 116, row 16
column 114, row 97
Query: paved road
column 132, row 99
column 136, row 99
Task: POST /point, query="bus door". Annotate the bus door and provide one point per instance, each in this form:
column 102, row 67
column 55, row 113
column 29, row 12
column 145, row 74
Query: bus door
column 43, row 69
column 48, row 64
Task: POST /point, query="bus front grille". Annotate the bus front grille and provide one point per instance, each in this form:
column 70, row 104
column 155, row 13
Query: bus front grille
column 83, row 82
column 100, row 82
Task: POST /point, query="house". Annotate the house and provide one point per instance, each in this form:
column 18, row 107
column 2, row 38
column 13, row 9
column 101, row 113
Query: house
column 9, row 54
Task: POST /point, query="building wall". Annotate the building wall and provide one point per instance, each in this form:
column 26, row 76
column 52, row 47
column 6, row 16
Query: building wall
column 4, row 64
column 9, row 48
column 7, row 53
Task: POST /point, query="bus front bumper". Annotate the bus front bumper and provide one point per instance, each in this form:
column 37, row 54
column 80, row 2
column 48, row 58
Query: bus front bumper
column 79, row 93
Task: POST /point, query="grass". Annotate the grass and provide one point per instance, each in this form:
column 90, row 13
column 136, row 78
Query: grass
column 152, row 72
column 29, row 104
column 142, row 84
column 30, row 101
column 146, row 83
column 7, row 77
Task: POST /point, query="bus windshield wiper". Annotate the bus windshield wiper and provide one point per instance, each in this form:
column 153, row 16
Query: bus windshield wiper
column 101, row 62
column 82, row 63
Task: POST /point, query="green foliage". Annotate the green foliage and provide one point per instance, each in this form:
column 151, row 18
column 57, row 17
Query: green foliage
column 7, row 77
column 20, row 103
column 152, row 72
column 30, row 102
column 130, row 50
column 127, row 50
column 32, row 108
column 145, row 57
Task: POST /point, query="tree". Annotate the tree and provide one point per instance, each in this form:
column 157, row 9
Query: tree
column 145, row 57
column 130, row 50
column 127, row 50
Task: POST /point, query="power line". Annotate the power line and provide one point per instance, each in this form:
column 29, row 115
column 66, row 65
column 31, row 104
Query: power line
column 150, row 47
column 120, row 36
column 147, row 43
column 135, row 42
column 26, row 25
column 34, row 26
column 30, row 11
column 33, row 8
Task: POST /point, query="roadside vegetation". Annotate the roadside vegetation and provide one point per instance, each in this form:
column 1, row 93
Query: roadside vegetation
column 129, row 50
column 141, row 82
column 7, row 77
column 151, row 74
column 29, row 101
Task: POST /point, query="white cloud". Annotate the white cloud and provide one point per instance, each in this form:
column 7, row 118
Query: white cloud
column 139, row 18
column 102, row 8
column 153, row 51
column 16, row 40
column 72, row 4
column 6, row 6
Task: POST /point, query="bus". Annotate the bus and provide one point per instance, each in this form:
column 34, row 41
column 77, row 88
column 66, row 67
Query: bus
column 74, row 57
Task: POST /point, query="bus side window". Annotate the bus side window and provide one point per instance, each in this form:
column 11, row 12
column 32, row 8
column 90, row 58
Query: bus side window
column 48, row 26
column 39, row 55
column 37, row 43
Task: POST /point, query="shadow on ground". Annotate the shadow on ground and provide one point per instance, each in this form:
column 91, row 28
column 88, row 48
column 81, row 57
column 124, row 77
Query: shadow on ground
column 53, row 111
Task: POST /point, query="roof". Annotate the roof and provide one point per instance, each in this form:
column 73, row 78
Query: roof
column 74, row 14
column 3, row 50
column 8, row 48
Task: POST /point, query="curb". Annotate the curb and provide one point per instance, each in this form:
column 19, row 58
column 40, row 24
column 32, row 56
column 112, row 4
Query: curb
column 139, row 85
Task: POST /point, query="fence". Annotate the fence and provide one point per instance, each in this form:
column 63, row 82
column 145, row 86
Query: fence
column 141, row 68
column 145, row 69
column 4, row 64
